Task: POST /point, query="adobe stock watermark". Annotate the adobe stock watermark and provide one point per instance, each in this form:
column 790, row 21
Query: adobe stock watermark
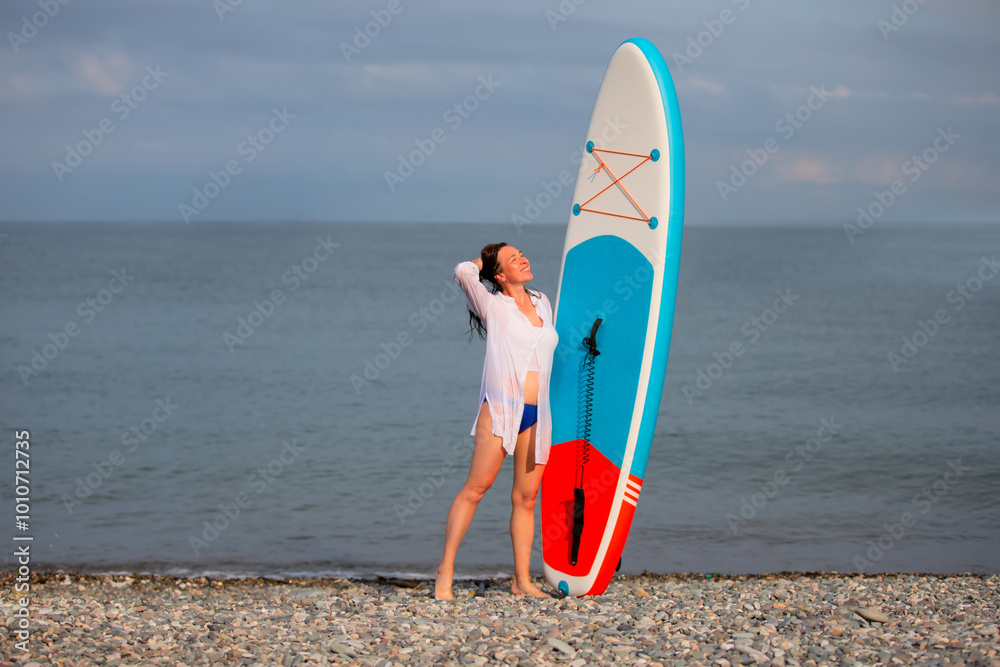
column 786, row 126
column 419, row 320
column 224, row 7
column 594, row 487
column 703, row 40
column 363, row 35
column 625, row 288
column 259, row 481
column 434, row 480
column 926, row 330
column 131, row 441
column 454, row 116
column 563, row 11
column 88, row 309
column 30, row 27
column 122, row 107
column 915, row 167
column 795, row 460
column 295, row 276
column 922, row 503
column 752, row 329
column 552, row 190
column 254, row 145
column 898, row 17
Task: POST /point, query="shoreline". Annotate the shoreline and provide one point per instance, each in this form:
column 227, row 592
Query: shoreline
column 7, row 576
column 789, row 618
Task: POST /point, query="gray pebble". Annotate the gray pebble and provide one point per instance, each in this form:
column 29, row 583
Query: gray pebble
column 871, row 615
column 775, row 621
column 562, row 646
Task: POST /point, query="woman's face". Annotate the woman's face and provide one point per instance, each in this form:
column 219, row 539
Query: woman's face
column 515, row 266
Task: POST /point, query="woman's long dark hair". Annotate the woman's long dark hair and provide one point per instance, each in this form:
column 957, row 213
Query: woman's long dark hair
column 490, row 255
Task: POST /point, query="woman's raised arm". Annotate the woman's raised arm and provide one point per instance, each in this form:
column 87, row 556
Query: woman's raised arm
column 477, row 297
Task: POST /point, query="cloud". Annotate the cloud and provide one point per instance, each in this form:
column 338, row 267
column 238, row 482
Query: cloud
column 880, row 169
column 984, row 98
column 19, row 87
column 698, row 84
column 806, row 170
column 408, row 75
column 841, row 91
column 107, row 74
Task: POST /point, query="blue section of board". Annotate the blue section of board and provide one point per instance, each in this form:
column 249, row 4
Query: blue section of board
column 605, row 277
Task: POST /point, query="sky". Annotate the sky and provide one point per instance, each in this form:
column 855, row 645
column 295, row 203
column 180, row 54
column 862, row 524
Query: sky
column 201, row 111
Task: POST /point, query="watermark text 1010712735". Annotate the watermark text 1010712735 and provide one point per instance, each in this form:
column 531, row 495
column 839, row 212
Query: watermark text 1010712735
column 21, row 623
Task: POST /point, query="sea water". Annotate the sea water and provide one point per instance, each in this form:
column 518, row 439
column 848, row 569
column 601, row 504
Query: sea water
column 291, row 399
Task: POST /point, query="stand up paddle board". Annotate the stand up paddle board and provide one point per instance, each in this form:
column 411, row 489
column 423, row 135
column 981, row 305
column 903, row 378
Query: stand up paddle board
column 614, row 314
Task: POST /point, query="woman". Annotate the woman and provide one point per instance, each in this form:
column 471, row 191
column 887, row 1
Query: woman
column 513, row 403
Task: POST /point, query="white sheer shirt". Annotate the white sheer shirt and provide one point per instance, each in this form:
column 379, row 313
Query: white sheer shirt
column 511, row 343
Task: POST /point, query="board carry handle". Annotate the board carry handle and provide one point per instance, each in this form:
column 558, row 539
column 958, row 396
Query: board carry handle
column 591, row 341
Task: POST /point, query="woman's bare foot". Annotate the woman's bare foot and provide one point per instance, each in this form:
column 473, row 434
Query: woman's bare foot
column 525, row 587
column 442, row 584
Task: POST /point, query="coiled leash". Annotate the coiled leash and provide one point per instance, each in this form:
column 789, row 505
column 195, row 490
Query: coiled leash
column 583, row 446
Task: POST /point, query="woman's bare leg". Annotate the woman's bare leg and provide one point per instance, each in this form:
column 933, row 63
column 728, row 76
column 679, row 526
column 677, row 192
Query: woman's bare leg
column 487, row 459
column 527, row 479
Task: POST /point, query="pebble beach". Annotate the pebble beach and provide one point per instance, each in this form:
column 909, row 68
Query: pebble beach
column 783, row 619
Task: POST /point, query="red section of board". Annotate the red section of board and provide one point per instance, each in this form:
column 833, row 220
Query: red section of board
column 600, row 477
column 610, row 564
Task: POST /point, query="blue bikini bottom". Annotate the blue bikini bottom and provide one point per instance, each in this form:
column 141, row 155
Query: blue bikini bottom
column 528, row 418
